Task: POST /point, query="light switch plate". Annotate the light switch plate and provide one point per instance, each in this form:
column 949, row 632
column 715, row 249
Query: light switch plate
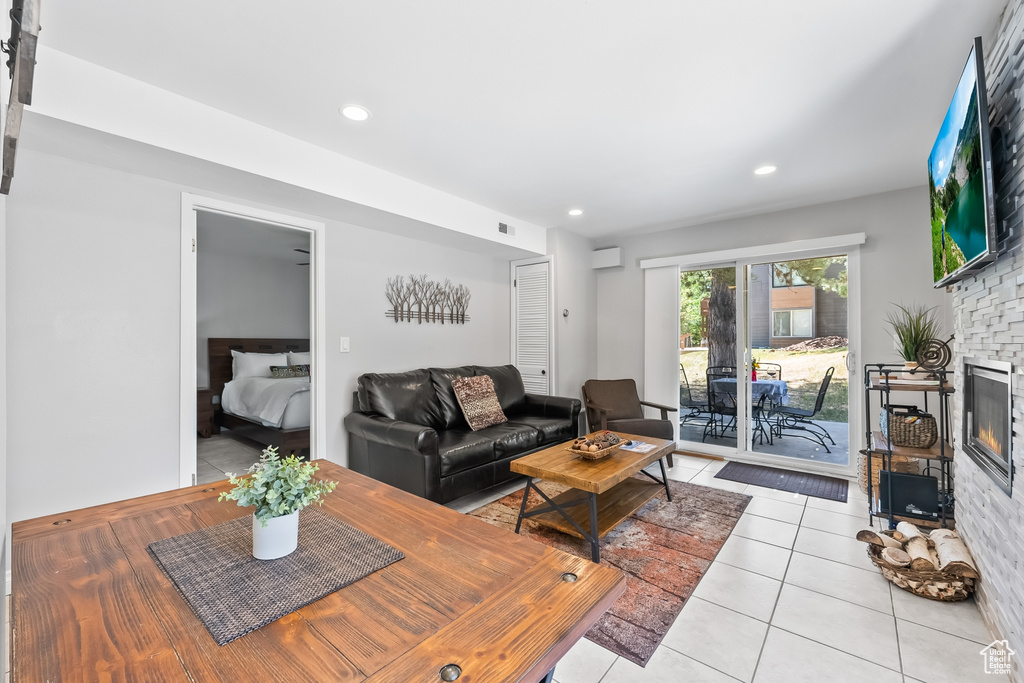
column 344, row 344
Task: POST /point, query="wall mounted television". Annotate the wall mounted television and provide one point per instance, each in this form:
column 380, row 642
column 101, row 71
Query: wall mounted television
column 960, row 184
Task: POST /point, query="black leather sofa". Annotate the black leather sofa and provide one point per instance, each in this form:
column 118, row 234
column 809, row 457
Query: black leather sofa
column 408, row 430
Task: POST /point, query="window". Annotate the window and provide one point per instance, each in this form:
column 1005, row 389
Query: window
column 795, row 323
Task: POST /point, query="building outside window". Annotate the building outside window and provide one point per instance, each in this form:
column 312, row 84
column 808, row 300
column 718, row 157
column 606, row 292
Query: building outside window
column 793, row 323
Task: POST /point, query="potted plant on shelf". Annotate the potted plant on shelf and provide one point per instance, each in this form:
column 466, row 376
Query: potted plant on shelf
column 278, row 488
column 912, row 326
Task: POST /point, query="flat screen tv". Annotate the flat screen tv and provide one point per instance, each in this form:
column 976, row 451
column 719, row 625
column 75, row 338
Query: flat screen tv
column 960, row 181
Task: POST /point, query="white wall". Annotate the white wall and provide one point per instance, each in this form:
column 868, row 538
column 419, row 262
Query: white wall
column 93, row 325
column 239, row 295
column 896, row 267
column 575, row 291
column 359, row 262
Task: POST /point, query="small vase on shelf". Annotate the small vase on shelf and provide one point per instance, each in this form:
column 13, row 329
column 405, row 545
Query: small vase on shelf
column 910, row 371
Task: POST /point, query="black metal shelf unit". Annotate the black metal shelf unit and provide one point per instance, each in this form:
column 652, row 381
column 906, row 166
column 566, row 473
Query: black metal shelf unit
column 883, row 379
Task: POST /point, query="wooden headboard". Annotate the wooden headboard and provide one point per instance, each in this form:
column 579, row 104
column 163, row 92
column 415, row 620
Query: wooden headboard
column 220, row 354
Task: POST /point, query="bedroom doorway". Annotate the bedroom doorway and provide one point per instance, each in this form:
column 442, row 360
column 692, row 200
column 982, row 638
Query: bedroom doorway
column 251, row 366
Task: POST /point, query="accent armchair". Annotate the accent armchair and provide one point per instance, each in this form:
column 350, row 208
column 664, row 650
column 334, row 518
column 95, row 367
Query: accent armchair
column 615, row 404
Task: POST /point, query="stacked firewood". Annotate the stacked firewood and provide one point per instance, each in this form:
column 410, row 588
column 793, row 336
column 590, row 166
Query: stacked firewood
column 936, row 565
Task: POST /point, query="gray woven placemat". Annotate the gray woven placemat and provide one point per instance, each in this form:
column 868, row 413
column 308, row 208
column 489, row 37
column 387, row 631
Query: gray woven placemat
column 233, row 593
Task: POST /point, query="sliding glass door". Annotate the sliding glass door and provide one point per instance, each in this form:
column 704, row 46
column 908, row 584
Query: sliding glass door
column 764, row 354
column 797, row 341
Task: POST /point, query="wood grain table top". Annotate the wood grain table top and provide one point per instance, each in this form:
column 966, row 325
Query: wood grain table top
column 562, row 466
column 89, row 603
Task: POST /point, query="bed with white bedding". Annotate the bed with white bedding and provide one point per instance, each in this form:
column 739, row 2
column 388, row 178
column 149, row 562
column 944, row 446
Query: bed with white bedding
column 282, row 403
column 272, row 410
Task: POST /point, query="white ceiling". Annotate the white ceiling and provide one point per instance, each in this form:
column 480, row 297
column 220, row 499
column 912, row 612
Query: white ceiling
column 648, row 114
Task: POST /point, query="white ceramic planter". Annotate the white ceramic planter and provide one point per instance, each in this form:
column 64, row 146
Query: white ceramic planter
column 278, row 538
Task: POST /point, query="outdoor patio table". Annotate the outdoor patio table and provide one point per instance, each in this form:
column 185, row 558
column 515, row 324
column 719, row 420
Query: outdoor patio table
column 775, row 390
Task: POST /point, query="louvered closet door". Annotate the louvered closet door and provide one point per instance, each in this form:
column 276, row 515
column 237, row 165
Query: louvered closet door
column 532, row 327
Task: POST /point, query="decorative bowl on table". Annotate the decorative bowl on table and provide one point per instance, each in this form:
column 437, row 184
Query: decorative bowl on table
column 596, row 446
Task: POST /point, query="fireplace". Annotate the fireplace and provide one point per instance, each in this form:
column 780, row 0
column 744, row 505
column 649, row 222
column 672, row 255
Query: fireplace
column 988, row 423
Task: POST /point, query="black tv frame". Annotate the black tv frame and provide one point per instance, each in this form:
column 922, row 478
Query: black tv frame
column 988, row 196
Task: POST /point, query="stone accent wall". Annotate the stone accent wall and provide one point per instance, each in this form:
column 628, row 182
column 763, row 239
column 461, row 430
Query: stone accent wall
column 988, row 315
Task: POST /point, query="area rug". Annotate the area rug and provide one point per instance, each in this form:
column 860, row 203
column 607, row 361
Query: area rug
column 819, row 486
column 664, row 548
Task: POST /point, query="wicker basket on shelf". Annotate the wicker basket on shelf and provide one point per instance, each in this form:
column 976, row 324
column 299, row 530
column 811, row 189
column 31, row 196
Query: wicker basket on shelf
column 900, row 463
column 908, row 426
column 934, row 584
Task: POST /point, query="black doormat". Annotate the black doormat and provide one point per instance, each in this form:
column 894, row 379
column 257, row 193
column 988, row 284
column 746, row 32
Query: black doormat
column 829, row 488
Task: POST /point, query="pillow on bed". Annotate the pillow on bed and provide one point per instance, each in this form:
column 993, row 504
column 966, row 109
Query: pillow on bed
column 300, row 358
column 254, row 364
column 288, row 371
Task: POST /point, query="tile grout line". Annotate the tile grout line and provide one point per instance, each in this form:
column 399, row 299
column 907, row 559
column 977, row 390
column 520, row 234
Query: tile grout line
column 778, row 595
column 771, row 625
column 617, row 658
column 832, row 647
column 848, row 602
column 729, row 609
column 896, row 627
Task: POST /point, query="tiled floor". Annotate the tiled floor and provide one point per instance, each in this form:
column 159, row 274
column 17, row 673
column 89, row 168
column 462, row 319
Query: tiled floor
column 224, row 454
column 792, row 597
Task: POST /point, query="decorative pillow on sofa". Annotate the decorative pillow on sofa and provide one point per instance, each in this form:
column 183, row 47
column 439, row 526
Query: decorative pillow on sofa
column 286, row 371
column 479, row 401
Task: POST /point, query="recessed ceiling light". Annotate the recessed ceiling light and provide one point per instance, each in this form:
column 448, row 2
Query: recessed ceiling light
column 575, row 212
column 764, row 170
column 355, row 113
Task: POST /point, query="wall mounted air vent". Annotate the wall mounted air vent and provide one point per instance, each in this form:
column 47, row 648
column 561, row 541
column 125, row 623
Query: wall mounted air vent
column 611, row 257
column 506, row 229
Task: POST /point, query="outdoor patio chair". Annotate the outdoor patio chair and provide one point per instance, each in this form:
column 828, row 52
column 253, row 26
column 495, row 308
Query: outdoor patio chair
column 690, row 408
column 798, row 420
column 615, row 404
column 722, row 406
column 721, row 403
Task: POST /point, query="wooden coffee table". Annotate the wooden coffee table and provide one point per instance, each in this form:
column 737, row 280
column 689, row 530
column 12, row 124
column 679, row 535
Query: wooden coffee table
column 603, row 492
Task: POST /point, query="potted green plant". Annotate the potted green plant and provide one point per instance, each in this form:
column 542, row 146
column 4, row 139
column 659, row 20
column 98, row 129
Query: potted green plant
column 278, row 488
column 912, row 326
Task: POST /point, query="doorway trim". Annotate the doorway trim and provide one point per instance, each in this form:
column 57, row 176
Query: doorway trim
column 797, row 248
column 190, row 204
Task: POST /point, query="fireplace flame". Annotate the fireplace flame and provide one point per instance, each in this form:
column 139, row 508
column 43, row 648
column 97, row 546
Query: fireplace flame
column 987, row 437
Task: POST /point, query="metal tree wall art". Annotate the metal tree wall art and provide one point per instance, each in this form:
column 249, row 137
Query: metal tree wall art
column 420, row 299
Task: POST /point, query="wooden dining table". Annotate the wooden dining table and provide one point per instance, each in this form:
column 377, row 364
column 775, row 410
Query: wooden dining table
column 90, row 604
